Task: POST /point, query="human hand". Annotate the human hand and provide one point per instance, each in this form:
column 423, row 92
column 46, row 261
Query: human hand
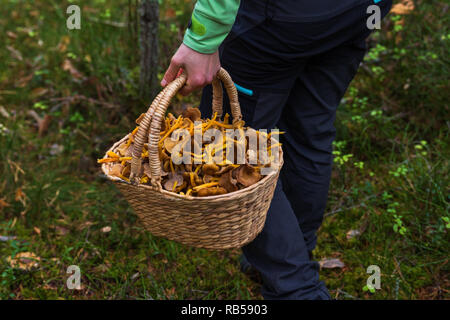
column 200, row 68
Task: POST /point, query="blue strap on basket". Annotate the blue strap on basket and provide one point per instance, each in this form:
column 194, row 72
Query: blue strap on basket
column 243, row 90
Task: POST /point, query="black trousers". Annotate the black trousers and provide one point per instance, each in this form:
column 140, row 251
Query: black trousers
column 298, row 73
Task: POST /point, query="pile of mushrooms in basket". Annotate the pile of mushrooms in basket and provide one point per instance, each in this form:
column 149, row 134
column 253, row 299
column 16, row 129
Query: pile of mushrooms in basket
column 225, row 158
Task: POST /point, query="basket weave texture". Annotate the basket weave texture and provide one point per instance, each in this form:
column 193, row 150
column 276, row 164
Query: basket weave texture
column 216, row 222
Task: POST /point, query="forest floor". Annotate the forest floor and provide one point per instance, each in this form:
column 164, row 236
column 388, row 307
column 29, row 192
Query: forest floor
column 66, row 96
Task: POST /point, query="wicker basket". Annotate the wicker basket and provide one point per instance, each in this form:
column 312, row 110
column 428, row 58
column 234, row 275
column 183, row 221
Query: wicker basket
column 216, row 222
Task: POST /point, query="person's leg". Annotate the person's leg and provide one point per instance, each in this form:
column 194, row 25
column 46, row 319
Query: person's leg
column 280, row 254
column 308, row 120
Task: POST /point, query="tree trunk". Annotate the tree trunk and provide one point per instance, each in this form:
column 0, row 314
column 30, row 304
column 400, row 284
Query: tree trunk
column 148, row 41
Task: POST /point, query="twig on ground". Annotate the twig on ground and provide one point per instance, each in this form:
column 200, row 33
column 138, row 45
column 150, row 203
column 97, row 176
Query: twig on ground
column 42, row 123
column 363, row 203
column 116, row 24
column 347, row 295
column 6, row 238
column 72, row 99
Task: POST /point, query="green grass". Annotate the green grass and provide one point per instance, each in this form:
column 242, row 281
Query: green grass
column 387, row 183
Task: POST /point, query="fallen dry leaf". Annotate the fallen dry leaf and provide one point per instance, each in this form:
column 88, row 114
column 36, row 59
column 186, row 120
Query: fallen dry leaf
column 68, row 66
column 43, row 127
column 331, row 263
column 22, row 82
column 4, row 113
column 37, row 230
column 15, row 53
column 170, row 13
column 11, row 35
column 24, row 261
column 102, row 268
column 25, row 30
column 49, row 286
column 106, row 229
column 169, row 292
column 56, row 149
column 352, row 234
column 13, row 223
column 63, row 43
column 85, row 225
column 16, row 169
column 3, row 203
column 37, row 92
column 90, row 10
column 404, row 7
column 61, row 231
column 134, row 276
column 42, row 123
column 21, row 197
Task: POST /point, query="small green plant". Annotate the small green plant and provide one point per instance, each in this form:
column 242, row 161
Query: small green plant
column 369, row 288
column 40, row 105
column 106, row 14
column 360, row 104
column 385, row 196
column 446, row 222
column 359, row 119
column 375, row 52
column 397, row 24
column 376, row 113
column 3, row 130
column 339, row 157
column 64, row 131
column 398, row 225
column 76, row 117
column 7, row 277
column 421, row 148
column 359, row 164
column 378, row 72
column 71, row 55
column 401, row 171
column 399, row 53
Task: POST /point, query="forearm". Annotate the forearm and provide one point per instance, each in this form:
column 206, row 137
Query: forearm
column 211, row 22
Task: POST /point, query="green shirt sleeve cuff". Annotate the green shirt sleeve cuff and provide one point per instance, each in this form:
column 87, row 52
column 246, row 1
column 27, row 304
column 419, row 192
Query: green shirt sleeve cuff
column 207, row 32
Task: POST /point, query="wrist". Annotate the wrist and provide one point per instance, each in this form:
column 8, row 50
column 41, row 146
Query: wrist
column 203, row 47
column 192, row 47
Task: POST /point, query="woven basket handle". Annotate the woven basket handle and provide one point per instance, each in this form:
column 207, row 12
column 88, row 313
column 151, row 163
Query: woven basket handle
column 141, row 137
column 158, row 115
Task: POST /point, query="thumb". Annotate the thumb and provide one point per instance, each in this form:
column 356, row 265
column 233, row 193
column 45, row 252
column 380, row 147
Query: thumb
column 171, row 73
